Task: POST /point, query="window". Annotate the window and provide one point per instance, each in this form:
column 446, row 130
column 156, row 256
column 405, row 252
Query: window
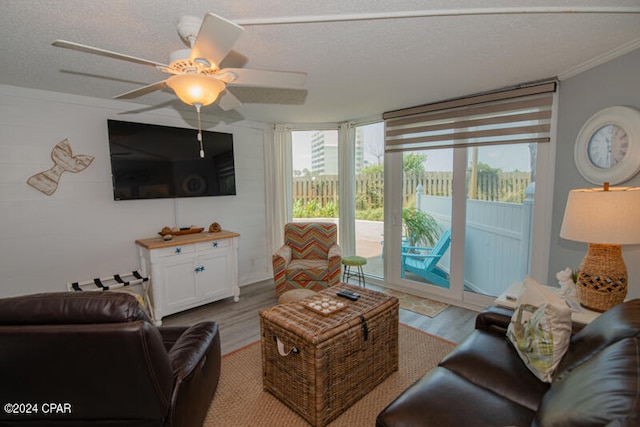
column 491, row 142
column 369, row 196
column 315, row 175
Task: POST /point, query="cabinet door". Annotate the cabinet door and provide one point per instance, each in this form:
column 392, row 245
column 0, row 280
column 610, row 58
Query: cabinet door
column 213, row 278
column 179, row 281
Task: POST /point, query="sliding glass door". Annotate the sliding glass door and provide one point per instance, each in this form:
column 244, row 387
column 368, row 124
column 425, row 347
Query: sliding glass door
column 499, row 216
column 462, row 178
column 471, row 238
column 427, row 194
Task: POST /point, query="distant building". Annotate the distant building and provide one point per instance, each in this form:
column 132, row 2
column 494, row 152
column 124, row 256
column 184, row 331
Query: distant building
column 359, row 149
column 324, row 152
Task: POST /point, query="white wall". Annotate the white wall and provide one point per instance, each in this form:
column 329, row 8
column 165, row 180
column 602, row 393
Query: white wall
column 80, row 232
column 612, row 83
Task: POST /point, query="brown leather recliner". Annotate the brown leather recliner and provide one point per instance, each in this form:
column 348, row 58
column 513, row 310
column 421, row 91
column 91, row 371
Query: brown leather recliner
column 95, row 358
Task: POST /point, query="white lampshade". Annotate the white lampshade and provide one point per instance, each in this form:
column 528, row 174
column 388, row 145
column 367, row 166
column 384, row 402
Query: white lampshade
column 595, row 215
column 195, row 89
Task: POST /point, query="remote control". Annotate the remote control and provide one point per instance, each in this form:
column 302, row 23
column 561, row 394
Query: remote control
column 348, row 294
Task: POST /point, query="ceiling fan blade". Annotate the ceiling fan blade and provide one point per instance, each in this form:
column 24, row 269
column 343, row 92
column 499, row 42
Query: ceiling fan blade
column 228, row 101
column 265, row 78
column 103, row 52
column 215, row 39
column 142, row 90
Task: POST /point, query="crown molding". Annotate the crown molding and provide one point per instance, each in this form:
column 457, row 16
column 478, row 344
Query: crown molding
column 600, row 59
column 435, row 13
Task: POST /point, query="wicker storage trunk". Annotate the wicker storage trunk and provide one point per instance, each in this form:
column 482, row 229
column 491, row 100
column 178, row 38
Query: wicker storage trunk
column 333, row 360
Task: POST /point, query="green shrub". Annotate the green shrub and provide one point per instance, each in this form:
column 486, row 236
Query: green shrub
column 420, row 228
column 313, row 209
column 371, row 214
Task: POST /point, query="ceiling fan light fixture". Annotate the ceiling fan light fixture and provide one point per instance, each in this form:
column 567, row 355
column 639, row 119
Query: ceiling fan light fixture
column 196, row 88
column 203, row 62
column 227, row 76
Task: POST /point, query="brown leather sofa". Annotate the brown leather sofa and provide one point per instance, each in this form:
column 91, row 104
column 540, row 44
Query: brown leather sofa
column 483, row 382
column 94, row 358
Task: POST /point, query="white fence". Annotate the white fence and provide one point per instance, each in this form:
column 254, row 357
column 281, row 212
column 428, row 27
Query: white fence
column 497, row 241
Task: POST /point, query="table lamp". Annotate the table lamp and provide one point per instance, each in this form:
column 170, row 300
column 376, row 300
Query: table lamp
column 605, row 218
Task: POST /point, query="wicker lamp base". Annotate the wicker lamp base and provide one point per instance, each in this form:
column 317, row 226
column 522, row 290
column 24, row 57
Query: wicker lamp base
column 602, row 277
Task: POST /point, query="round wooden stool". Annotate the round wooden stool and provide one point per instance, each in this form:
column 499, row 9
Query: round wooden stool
column 354, row 261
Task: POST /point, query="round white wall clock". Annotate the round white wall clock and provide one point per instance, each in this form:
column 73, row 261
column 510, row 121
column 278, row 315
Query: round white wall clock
column 607, row 148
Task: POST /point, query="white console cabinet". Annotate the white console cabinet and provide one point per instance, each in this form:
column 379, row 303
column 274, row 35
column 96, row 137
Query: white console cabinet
column 190, row 270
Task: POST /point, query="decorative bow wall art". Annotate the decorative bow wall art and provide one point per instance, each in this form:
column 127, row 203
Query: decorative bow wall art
column 64, row 161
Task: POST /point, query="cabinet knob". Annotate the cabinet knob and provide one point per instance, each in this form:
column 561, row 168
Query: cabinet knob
column 215, row 244
column 178, row 250
column 200, row 269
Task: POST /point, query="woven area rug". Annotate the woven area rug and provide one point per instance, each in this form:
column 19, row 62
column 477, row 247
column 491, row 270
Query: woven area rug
column 424, row 306
column 240, row 401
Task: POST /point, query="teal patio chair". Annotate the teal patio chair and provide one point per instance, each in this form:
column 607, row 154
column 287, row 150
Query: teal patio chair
column 423, row 261
column 405, row 243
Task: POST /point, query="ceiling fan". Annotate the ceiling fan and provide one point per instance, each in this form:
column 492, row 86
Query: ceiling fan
column 196, row 77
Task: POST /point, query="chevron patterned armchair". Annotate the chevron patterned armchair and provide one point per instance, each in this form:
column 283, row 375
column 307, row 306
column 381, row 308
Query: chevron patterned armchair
column 309, row 259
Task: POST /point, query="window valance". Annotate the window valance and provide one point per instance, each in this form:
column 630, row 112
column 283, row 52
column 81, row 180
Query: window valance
column 507, row 116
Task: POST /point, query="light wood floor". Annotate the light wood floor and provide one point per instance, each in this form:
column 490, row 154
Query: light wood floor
column 240, row 325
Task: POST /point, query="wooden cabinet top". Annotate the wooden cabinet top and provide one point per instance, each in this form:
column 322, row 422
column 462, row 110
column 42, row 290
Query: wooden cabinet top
column 185, row 239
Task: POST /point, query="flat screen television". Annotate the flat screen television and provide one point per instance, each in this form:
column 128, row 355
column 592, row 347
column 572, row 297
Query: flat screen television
column 152, row 161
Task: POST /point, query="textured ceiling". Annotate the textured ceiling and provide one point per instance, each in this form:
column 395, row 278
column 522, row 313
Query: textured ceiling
column 356, row 68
